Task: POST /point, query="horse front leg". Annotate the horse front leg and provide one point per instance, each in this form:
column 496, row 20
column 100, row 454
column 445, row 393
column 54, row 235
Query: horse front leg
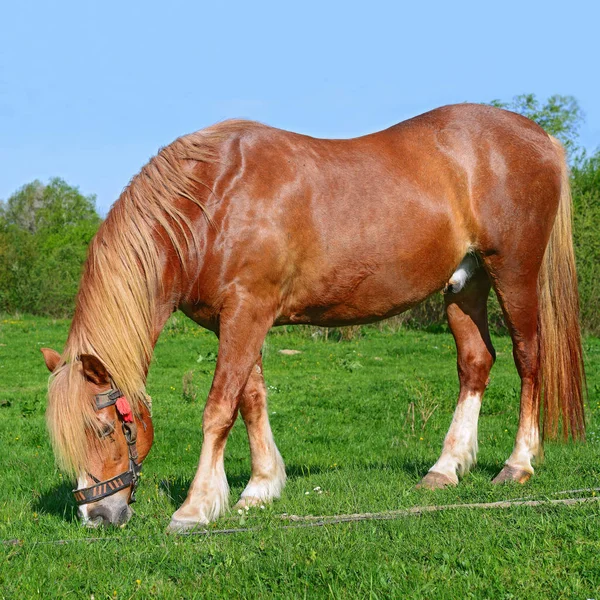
column 242, row 332
column 268, row 471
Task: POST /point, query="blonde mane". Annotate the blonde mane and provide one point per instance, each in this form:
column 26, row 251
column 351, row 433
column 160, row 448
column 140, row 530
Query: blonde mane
column 115, row 308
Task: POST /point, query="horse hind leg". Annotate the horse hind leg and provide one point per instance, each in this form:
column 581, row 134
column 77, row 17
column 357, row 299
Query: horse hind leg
column 538, row 293
column 517, row 292
column 268, row 471
column 466, row 308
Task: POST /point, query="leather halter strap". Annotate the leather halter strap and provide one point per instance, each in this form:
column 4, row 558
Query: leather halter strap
column 106, row 399
column 102, row 489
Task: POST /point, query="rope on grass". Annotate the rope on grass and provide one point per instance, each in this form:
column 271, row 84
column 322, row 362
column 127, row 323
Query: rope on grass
column 389, row 515
column 296, row 521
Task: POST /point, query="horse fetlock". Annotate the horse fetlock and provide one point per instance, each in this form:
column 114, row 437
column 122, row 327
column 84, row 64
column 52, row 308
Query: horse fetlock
column 527, row 450
column 205, row 503
column 264, row 487
column 262, row 490
column 459, row 453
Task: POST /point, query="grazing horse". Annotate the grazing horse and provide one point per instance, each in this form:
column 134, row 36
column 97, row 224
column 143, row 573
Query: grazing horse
column 242, row 227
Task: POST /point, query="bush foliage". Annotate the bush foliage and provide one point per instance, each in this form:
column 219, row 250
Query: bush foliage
column 44, row 234
column 45, row 231
column 586, row 204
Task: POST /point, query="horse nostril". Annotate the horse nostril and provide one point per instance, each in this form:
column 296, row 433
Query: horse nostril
column 98, row 516
column 105, row 515
column 124, row 515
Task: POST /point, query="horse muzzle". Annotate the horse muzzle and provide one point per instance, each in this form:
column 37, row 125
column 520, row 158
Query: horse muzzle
column 108, row 513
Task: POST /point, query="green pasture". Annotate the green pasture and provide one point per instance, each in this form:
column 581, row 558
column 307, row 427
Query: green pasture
column 358, row 423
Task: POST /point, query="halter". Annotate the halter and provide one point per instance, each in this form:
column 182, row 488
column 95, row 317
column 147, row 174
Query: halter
column 102, row 489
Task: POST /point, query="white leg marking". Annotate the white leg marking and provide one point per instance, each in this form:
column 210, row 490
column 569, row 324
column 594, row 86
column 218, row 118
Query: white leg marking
column 460, row 446
column 268, row 471
column 209, row 493
column 527, row 446
column 459, row 278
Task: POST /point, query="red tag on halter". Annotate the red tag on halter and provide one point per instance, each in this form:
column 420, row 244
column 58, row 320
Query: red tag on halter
column 124, row 409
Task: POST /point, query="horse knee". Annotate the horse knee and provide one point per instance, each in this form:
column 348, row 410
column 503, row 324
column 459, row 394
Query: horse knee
column 218, row 420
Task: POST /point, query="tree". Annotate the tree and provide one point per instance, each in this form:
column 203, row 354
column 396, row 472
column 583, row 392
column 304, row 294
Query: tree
column 44, row 234
column 50, row 207
column 22, row 207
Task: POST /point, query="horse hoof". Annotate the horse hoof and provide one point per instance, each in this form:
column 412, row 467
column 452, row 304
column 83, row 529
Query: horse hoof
column 248, row 501
column 177, row 526
column 511, row 474
column 435, row 481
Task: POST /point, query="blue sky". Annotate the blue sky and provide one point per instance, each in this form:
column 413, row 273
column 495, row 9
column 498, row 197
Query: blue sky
column 90, row 90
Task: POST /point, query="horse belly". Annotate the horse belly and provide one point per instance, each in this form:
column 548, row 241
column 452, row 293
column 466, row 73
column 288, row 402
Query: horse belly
column 364, row 291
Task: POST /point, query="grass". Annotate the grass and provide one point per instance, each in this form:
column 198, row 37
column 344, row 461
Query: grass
column 362, row 420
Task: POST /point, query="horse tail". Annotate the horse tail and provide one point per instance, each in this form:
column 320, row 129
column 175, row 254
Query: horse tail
column 561, row 377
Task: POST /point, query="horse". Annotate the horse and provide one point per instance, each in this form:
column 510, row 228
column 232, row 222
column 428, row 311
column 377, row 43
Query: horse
column 243, row 227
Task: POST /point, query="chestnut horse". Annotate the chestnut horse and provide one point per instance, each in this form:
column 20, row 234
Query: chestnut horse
column 242, row 227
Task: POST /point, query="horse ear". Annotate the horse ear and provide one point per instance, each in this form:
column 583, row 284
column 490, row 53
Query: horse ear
column 94, row 370
column 52, row 358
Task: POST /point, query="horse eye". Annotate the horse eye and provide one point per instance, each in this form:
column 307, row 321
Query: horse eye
column 107, row 429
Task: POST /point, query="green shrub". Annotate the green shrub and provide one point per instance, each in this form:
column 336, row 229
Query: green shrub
column 586, row 217
column 44, row 235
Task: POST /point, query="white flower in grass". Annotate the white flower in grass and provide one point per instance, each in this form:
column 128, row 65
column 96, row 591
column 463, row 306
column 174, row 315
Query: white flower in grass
column 240, row 511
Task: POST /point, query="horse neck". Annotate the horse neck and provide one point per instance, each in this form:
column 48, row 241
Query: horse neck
column 122, row 308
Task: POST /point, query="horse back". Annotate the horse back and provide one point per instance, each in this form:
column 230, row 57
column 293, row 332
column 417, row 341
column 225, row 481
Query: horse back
column 340, row 231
